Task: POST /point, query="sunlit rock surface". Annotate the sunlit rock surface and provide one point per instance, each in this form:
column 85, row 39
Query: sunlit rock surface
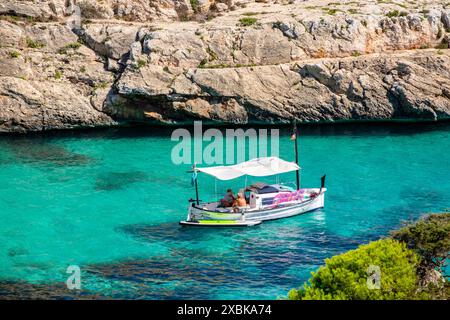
column 70, row 64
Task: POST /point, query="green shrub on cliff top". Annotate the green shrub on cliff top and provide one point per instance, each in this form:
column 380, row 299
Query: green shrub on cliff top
column 34, row 44
column 140, row 63
column 346, row 276
column 331, row 11
column 393, row 13
column 396, row 13
column 67, row 47
column 247, row 21
column 195, row 4
column 58, row 75
column 14, row 54
column 430, row 238
column 442, row 45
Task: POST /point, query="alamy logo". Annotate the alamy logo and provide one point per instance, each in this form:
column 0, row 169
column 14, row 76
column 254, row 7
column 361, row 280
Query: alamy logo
column 74, row 280
column 208, row 147
column 374, row 277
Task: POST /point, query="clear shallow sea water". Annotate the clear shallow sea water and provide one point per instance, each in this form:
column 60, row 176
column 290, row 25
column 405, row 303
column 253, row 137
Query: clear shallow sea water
column 110, row 201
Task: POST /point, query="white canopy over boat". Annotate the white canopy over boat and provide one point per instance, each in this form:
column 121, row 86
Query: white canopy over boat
column 259, row 167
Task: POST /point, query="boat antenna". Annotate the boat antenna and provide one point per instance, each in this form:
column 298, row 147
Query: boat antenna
column 294, row 138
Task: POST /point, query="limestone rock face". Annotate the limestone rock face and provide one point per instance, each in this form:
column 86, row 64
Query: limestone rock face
column 48, row 79
column 325, row 69
column 112, row 41
column 35, row 106
column 37, row 10
column 127, row 10
column 407, row 85
column 81, row 63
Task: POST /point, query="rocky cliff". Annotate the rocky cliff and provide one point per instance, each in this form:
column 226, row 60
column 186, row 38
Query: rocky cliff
column 67, row 64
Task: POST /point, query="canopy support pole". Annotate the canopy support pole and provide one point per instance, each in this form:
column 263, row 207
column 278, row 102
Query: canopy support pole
column 196, row 192
column 294, row 135
column 215, row 187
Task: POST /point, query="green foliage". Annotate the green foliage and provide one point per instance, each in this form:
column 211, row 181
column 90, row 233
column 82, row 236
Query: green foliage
column 140, row 63
column 100, row 85
column 393, row 13
column 429, row 237
column 62, row 50
column 406, row 261
column 331, row 11
column 70, row 46
column 195, row 4
column 202, row 63
column 212, row 55
column 442, row 45
column 35, row 44
column 396, row 13
column 247, row 21
column 74, row 45
column 58, row 74
column 14, row 54
column 346, row 276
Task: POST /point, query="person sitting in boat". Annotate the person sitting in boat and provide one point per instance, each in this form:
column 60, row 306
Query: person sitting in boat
column 228, row 199
column 240, row 201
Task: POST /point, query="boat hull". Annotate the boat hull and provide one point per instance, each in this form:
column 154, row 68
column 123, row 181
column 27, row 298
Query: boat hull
column 279, row 212
column 220, row 223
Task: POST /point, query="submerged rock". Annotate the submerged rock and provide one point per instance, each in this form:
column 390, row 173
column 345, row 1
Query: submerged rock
column 39, row 151
column 119, row 180
column 21, row 290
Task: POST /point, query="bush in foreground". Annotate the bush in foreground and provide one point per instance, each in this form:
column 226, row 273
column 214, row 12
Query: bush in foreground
column 410, row 265
column 349, row 275
column 430, row 238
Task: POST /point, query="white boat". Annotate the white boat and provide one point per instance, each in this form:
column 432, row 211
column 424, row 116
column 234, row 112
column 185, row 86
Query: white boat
column 265, row 202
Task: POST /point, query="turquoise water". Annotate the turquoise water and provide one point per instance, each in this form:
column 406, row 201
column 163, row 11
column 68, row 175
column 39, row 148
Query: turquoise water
column 110, row 201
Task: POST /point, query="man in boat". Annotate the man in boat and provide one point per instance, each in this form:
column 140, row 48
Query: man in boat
column 240, row 201
column 228, row 199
